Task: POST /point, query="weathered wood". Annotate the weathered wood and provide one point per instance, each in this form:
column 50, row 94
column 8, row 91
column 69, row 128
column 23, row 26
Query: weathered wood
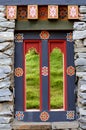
column 44, row 25
column 17, row 125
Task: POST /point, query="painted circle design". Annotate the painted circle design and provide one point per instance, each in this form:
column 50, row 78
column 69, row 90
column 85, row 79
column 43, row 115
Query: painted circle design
column 44, row 116
column 70, row 71
column 18, row 72
column 19, row 115
column 44, row 35
column 70, row 115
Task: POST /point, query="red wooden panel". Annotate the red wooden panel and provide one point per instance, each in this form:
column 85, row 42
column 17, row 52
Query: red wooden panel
column 61, row 44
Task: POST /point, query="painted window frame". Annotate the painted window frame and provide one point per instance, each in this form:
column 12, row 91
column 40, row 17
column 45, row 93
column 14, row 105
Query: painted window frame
column 20, row 114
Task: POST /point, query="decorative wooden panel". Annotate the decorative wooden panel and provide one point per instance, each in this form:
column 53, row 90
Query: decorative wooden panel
column 32, row 12
column 72, row 12
column 63, row 12
column 22, row 13
column 11, row 12
column 52, row 12
column 43, row 12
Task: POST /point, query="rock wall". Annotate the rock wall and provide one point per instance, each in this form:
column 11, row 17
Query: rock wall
column 79, row 36
column 6, row 70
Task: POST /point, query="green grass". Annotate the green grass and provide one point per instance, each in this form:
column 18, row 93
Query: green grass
column 33, row 79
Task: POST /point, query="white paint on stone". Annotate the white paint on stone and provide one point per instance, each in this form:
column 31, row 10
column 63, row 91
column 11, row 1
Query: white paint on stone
column 79, row 34
column 5, row 127
column 5, row 120
column 6, row 109
column 80, row 61
column 5, row 92
column 6, row 36
column 84, row 42
column 6, row 98
column 80, row 26
column 7, row 61
column 5, row 45
column 9, row 51
column 7, row 24
column 3, row 56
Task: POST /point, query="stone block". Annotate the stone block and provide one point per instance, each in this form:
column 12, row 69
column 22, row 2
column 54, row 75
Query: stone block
column 7, row 24
column 5, row 127
column 3, row 56
column 5, row 45
column 2, row 8
column 6, row 98
column 84, row 42
column 83, row 88
column 79, row 35
column 80, row 62
column 81, row 55
column 6, row 109
column 10, row 51
column 82, row 9
column 81, row 68
column 80, row 26
column 82, row 111
column 6, row 61
column 5, row 92
column 80, row 74
column 2, row 14
column 5, row 69
column 5, row 120
column 6, row 36
column 81, row 50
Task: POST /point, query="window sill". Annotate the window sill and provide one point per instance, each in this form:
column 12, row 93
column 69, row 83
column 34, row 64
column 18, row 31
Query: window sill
column 18, row 125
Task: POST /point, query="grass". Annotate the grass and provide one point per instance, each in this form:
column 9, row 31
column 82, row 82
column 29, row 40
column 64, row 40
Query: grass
column 33, row 79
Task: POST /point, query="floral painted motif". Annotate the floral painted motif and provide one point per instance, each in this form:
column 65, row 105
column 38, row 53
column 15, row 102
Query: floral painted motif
column 52, row 11
column 70, row 37
column 44, row 35
column 73, row 12
column 11, row 12
column 44, row 116
column 22, row 13
column 63, row 13
column 43, row 12
column 19, row 115
column 32, row 11
column 70, row 115
column 70, row 71
column 19, row 37
column 45, row 71
column 18, row 72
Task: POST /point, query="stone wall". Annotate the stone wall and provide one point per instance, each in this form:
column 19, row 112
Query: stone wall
column 79, row 36
column 6, row 70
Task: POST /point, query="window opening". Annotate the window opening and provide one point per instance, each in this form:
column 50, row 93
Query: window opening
column 32, row 79
column 56, row 79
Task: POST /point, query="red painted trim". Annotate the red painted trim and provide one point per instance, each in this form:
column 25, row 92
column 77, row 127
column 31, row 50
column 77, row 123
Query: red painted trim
column 24, row 81
column 61, row 44
column 28, row 44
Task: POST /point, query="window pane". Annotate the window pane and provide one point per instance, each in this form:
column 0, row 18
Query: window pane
column 32, row 80
column 56, row 79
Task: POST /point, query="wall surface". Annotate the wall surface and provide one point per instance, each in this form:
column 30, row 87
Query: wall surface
column 6, row 70
column 79, row 36
column 7, row 28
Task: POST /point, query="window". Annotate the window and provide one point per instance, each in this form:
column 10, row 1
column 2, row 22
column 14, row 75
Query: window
column 44, row 78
